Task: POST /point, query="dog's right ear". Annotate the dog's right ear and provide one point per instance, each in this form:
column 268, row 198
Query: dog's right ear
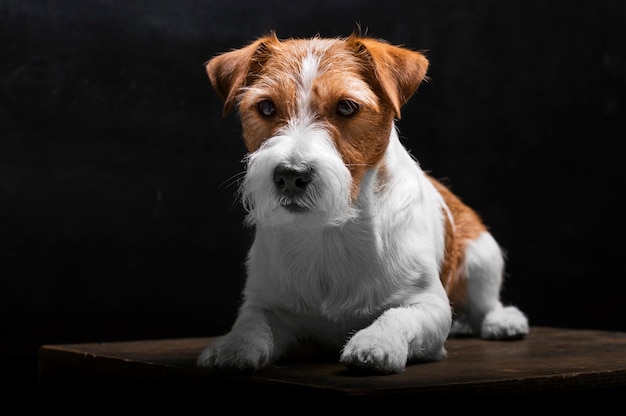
column 230, row 71
column 398, row 70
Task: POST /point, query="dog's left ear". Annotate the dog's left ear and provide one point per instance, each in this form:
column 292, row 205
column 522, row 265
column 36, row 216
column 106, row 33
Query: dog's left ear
column 399, row 71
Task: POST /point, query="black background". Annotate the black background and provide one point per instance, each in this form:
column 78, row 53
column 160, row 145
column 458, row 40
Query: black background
column 117, row 170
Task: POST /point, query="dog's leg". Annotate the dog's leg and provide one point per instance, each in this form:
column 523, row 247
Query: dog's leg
column 252, row 343
column 416, row 332
column 483, row 313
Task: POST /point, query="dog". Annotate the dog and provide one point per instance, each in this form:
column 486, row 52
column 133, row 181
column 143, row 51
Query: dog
column 356, row 249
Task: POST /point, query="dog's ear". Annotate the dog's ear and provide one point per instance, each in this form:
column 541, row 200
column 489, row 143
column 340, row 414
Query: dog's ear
column 230, row 71
column 399, row 71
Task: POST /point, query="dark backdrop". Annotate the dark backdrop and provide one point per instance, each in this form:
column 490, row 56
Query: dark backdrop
column 117, row 169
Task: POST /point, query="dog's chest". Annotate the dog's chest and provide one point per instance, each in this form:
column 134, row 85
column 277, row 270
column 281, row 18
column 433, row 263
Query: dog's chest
column 336, row 272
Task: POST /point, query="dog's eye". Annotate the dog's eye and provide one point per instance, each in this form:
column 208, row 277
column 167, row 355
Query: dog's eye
column 267, row 108
column 347, row 108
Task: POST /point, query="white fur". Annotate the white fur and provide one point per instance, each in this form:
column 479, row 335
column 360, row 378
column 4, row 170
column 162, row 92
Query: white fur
column 369, row 270
column 484, row 313
column 308, row 73
column 301, row 144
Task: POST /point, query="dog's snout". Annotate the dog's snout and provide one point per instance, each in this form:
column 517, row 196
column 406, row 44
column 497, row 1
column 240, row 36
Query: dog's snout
column 292, row 180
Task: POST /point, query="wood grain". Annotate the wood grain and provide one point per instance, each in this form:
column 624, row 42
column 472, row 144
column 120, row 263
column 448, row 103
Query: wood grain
column 549, row 360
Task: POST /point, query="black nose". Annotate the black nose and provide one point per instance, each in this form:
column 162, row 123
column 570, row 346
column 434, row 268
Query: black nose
column 292, row 180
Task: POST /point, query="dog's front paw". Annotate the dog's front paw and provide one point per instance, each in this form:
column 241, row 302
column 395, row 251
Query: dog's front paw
column 371, row 351
column 234, row 353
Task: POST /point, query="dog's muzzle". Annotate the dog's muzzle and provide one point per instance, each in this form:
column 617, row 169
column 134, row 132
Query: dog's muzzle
column 292, row 182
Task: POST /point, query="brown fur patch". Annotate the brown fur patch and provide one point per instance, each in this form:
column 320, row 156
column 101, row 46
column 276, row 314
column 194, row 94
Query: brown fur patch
column 467, row 226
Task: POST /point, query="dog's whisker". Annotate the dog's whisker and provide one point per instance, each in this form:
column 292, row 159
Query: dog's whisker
column 234, row 180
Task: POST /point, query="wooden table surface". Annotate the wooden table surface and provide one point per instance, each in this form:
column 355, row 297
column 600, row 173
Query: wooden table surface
column 549, row 360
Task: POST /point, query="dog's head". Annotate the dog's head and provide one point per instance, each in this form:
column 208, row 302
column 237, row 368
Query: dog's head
column 317, row 116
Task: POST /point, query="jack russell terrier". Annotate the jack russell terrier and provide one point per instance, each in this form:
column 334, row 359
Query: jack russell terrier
column 356, row 250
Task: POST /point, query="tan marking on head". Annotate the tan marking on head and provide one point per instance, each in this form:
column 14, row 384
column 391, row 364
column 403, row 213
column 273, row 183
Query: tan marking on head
column 378, row 76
